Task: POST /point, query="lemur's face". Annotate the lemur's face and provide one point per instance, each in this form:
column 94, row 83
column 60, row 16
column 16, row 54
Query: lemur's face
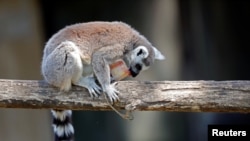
column 141, row 58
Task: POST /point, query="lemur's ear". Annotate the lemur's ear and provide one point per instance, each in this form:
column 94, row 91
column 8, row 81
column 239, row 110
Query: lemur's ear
column 141, row 51
column 158, row 54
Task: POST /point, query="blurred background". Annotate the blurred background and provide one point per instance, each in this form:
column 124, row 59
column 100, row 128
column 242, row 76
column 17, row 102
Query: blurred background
column 202, row 40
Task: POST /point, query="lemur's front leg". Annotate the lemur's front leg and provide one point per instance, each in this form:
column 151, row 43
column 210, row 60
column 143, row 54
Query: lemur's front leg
column 100, row 63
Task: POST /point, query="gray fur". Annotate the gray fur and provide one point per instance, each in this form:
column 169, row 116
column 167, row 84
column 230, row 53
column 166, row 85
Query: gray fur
column 81, row 53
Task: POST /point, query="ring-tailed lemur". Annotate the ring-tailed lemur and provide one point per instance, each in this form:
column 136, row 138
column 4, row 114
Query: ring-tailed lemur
column 80, row 54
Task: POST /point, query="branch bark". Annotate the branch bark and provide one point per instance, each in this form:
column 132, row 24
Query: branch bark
column 180, row 96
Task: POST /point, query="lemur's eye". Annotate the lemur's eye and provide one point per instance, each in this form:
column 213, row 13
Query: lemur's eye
column 140, row 52
column 138, row 66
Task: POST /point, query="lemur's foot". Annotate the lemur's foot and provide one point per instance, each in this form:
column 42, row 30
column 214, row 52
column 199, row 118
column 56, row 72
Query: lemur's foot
column 90, row 84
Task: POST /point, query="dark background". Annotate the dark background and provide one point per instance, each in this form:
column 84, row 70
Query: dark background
column 214, row 33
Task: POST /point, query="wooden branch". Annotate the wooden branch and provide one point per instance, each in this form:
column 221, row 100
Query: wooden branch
column 180, row 96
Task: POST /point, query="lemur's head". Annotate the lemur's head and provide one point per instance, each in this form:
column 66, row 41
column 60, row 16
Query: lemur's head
column 141, row 57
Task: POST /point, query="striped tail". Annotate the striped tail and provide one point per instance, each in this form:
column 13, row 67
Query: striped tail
column 62, row 125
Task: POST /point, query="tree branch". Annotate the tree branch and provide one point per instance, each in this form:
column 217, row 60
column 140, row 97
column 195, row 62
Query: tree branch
column 180, row 96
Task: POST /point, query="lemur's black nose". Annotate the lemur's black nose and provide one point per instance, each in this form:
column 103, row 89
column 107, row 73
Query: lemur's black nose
column 138, row 67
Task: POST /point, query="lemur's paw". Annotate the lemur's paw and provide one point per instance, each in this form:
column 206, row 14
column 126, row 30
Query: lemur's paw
column 112, row 93
column 94, row 89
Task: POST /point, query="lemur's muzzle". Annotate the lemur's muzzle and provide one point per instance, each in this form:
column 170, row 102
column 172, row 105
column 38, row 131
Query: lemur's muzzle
column 136, row 70
column 133, row 73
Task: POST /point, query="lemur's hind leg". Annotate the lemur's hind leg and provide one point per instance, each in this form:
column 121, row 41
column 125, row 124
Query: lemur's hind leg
column 63, row 67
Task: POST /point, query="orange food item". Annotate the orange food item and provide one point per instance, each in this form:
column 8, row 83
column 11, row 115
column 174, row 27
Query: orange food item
column 119, row 70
